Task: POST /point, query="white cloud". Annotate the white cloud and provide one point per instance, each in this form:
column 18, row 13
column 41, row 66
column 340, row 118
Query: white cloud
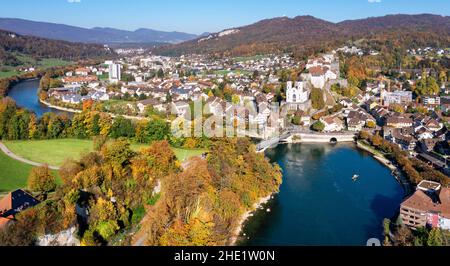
column 73, row 1
column 374, row 1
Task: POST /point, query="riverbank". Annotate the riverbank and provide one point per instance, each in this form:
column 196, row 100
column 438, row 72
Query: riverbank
column 377, row 155
column 59, row 108
column 396, row 171
column 237, row 232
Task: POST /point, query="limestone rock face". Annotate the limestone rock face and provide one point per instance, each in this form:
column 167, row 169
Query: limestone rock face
column 64, row 238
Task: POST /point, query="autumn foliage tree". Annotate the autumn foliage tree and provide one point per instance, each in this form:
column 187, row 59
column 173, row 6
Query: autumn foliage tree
column 41, row 180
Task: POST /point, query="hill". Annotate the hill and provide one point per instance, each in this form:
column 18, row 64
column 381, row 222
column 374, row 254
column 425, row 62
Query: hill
column 305, row 34
column 95, row 35
column 12, row 45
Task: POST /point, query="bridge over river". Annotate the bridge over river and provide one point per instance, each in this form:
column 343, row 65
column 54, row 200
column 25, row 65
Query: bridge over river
column 303, row 136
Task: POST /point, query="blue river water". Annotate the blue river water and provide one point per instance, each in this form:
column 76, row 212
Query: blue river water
column 25, row 94
column 319, row 203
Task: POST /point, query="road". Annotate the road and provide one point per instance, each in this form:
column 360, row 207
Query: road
column 6, row 151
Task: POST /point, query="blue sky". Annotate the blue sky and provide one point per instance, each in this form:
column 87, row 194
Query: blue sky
column 198, row 16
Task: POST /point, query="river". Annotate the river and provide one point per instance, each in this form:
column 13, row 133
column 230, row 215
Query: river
column 25, row 94
column 319, row 203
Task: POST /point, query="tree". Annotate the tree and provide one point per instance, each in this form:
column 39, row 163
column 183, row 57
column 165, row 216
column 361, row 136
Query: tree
column 371, row 124
column 364, row 135
column 168, row 97
column 435, row 238
column 235, row 99
column 157, row 129
column 84, row 91
column 23, row 231
column 397, row 108
column 160, row 73
column 98, row 142
column 40, row 180
column 318, row 126
column 296, row 120
column 56, row 127
column 432, row 86
column 56, row 83
column 255, row 74
column 377, row 140
column 118, row 152
column 426, row 85
column 404, row 236
column 87, row 104
column 122, row 127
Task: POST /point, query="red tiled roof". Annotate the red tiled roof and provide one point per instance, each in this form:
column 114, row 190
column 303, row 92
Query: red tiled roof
column 421, row 201
column 79, row 79
column 317, row 71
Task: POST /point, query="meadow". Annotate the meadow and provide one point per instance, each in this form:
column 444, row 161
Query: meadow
column 54, row 152
column 14, row 174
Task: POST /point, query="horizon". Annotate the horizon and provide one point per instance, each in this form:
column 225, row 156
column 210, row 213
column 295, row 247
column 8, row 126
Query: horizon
column 185, row 18
column 198, row 34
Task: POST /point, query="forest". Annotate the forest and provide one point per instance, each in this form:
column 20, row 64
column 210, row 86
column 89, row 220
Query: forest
column 11, row 43
column 306, row 35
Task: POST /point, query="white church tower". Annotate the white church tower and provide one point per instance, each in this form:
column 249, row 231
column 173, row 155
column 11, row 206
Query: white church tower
column 296, row 94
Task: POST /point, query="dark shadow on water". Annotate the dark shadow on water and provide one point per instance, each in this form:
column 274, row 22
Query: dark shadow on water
column 259, row 223
column 382, row 208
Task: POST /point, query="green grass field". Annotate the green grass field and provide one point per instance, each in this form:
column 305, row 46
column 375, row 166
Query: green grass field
column 226, row 72
column 52, row 62
column 54, row 152
column 184, row 154
column 28, row 61
column 247, row 58
column 13, row 174
column 8, row 74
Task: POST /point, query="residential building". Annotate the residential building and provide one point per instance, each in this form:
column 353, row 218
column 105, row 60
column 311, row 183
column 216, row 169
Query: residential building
column 332, row 124
column 114, row 73
column 429, row 206
column 396, row 97
column 14, row 203
column 398, row 121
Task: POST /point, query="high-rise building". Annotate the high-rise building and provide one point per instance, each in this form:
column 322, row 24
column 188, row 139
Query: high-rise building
column 114, row 73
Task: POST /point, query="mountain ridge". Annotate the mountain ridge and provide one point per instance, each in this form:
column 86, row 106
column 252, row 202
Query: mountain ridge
column 102, row 35
column 305, row 34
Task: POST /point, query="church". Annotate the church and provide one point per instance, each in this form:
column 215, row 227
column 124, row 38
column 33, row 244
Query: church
column 296, row 94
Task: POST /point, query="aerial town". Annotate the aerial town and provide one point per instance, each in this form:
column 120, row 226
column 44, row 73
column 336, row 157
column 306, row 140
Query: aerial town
column 201, row 140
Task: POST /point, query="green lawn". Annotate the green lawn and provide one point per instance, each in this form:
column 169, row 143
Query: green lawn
column 8, row 71
column 14, row 174
column 104, row 76
column 183, row 154
column 226, row 72
column 54, row 152
column 28, row 61
column 53, row 62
